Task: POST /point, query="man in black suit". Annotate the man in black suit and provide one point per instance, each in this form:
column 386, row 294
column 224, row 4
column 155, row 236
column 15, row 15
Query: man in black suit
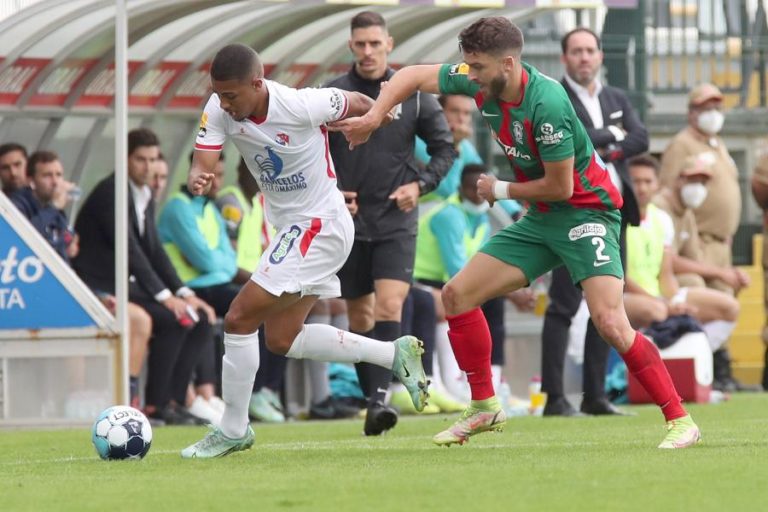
column 181, row 322
column 617, row 134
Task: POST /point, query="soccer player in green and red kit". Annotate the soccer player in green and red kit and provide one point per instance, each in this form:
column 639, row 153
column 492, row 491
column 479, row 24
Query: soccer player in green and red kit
column 573, row 217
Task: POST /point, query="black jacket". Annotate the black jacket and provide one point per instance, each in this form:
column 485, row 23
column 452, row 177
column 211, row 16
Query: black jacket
column 618, row 111
column 375, row 169
column 48, row 220
column 149, row 268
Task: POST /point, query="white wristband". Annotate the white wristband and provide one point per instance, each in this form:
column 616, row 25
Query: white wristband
column 501, row 190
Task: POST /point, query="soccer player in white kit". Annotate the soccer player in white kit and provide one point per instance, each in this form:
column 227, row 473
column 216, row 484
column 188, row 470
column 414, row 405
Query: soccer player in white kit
column 281, row 133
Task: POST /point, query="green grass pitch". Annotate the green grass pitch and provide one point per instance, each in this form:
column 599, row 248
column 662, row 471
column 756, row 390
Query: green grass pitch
column 547, row 464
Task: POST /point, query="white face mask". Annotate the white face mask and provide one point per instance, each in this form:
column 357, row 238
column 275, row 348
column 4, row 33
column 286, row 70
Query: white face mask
column 693, row 194
column 475, row 209
column 711, row 121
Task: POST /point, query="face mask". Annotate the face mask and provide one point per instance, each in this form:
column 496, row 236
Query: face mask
column 693, row 194
column 711, row 121
column 475, row 209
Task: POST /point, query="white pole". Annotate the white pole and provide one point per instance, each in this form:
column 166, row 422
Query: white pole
column 121, row 191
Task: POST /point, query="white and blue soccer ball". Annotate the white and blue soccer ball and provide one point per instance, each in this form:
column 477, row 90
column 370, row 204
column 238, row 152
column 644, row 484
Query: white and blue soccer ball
column 121, row 432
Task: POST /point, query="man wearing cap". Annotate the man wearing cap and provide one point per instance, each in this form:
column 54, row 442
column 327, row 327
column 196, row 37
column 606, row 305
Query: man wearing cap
column 718, row 216
column 680, row 201
column 760, row 193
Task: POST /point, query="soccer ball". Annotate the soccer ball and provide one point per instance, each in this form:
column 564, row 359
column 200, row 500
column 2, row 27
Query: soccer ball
column 121, row 432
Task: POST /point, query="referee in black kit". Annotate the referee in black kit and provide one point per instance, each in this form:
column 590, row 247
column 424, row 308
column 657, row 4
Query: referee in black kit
column 382, row 184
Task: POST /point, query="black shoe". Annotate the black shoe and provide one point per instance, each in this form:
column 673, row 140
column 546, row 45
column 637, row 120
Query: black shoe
column 602, row 407
column 379, row 419
column 332, row 409
column 559, row 406
column 174, row 415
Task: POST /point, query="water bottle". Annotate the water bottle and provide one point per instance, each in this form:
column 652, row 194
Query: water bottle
column 536, row 396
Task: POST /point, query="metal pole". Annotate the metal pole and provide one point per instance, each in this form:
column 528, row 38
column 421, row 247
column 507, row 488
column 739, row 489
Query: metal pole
column 121, row 192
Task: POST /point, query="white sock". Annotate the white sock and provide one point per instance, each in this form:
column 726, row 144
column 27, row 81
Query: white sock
column 238, row 371
column 325, row 343
column 496, row 376
column 718, row 332
column 453, row 378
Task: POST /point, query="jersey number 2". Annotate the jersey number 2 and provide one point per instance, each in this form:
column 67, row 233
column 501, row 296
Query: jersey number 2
column 600, row 243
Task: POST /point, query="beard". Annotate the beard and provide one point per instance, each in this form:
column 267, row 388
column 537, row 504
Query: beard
column 497, row 86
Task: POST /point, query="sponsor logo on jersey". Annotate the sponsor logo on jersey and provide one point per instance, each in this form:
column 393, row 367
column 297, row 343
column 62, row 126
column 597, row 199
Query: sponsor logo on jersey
column 517, row 130
column 203, row 122
column 549, row 135
column 588, row 229
column 282, row 138
column 284, row 245
column 513, row 152
column 459, row 69
column 271, row 166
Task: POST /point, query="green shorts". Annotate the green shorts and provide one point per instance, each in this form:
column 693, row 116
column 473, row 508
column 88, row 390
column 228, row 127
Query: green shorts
column 585, row 241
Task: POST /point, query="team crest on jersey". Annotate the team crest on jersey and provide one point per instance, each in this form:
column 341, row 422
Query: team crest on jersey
column 282, row 138
column 517, row 131
column 203, row 123
column 459, row 69
column 284, row 245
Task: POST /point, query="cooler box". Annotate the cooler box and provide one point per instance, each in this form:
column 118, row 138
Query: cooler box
column 689, row 362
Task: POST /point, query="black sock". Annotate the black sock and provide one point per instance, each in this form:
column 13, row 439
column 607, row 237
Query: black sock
column 379, row 377
column 362, row 369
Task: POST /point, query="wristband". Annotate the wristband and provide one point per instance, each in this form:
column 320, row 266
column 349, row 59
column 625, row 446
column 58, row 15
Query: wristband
column 501, row 190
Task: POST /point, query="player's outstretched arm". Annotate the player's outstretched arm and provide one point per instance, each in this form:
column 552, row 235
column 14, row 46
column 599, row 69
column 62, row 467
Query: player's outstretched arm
column 405, row 82
column 200, row 175
column 359, row 104
column 556, row 185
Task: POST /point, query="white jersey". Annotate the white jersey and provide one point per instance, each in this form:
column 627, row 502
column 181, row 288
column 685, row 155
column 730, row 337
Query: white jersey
column 286, row 151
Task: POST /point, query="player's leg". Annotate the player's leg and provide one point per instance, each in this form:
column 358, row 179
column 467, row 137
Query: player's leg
column 604, row 294
column 643, row 310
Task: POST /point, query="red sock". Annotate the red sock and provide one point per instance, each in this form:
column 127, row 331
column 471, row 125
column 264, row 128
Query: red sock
column 471, row 343
column 644, row 362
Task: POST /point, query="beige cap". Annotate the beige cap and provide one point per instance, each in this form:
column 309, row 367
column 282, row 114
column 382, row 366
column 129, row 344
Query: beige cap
column 703, row 93
column 694, row 165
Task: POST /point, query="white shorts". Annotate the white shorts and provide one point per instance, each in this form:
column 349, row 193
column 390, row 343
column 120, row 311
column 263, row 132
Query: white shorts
column 304, row 257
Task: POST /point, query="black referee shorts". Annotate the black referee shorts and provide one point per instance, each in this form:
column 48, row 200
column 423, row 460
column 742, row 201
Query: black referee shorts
column 380, row 259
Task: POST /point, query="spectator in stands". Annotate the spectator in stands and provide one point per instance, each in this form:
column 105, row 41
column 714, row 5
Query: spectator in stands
column 159, row 180
column 383, row 184
column 760, row 193
column 680, row 201
column 242, row 207
column 153, row 285
column 13, row 167
column 718, row 216
column 650, row 252
column 194, row 236
column 617, row 134
column 44, row 199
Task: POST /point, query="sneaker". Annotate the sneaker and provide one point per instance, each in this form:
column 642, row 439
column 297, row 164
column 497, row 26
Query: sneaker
column 202, row 409
column 445, row 402
column 472, row 421
column 408, row 369
column 273, row 399
column 217, row 403
column 401, row 400
column 260, row 409
column 378, row 419
column 681, row 433
column 216, row 444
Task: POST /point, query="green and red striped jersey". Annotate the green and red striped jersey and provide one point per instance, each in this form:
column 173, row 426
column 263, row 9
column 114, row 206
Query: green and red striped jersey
column 541, row 127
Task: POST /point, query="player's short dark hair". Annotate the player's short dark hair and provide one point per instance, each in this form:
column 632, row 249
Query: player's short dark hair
column 645, row 160
column 236, row 62
column 577, row 30
column 472, row 170
column 12, row 146
column 367, row 19
column 141, row 137
column 192, row 156
column 39, row 157
column 493, row 35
